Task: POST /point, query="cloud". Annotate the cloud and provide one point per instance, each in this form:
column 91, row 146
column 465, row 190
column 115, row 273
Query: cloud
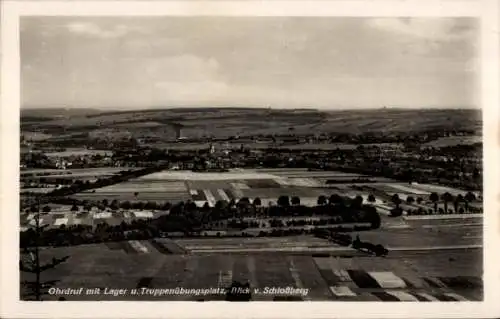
column 94, row 30
column 197, row 91
column 187, row 78
column 255, row 61
column 180, row 68
column 440, row 29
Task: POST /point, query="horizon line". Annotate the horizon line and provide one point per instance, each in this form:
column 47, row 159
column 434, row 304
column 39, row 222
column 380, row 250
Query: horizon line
column 111, row 109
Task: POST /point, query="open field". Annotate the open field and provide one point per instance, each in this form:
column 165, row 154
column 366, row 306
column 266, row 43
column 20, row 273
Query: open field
column 78, row 152
column 454, row 140
column 76, row 172
column 39, row 190
column 128, row 196
column 318, row 146
column 264, row 183
column 35, row 136
column 120, row 265
column 137, row 185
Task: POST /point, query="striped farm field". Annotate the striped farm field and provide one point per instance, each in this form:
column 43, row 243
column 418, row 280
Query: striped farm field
column 129, row 196
column 78, row 170
column 41, row 190
column 144, row 186
column 257, row 242
column 205, row 176
column 267, row 184
column 289, row 191
column 302, row 172
column 300, row 182
column 454, row 140
column 209, row 184
column 440, row 189
column 130, row 264
column 408, row 189
column 262, row 183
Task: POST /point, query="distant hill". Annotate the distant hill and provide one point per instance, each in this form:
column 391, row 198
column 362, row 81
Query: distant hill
column 223, row 122
column 56, row 112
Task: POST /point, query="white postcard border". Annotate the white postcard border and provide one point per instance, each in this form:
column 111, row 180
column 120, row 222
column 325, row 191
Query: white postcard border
column 11, row 307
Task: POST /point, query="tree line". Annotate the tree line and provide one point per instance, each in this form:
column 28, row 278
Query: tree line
column 187, row 217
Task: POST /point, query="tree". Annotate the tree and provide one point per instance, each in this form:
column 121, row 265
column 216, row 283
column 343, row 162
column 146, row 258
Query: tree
column 257, row 201
column 114, row 205
column 419, row 200
column 446, row 197
column 177, row 210
column 206, row 206
column 396, row 212
column 396, row 200
column 244, row 201
column 371, row 198
column 46, row 209
column 126, row 205
column 357, row 202
column 469, row 197
column 459, row 199
column 87, row 207
column 321, row 200
column 105, row 202
column 166, row 206
column 284, row 201
column 410, row 200
column 32, row 264
column 220, row 205
column 295, row 200
column 335, row 199
column 372, row 216
column 434, row 197
column 190, row 206
column 74, row 208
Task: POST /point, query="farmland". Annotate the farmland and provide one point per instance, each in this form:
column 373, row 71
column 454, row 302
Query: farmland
column 454, row 140
column 100, row 171
column 141, row 264
column 268, row 185
column 77, row 152
column 199, row 198
column 430, row 259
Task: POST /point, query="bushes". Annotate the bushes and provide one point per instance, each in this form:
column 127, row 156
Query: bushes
column 396, row 212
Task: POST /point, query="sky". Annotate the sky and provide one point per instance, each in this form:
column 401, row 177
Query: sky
column 278, row 62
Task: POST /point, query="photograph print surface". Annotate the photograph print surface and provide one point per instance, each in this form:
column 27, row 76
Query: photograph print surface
column 250, row 159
